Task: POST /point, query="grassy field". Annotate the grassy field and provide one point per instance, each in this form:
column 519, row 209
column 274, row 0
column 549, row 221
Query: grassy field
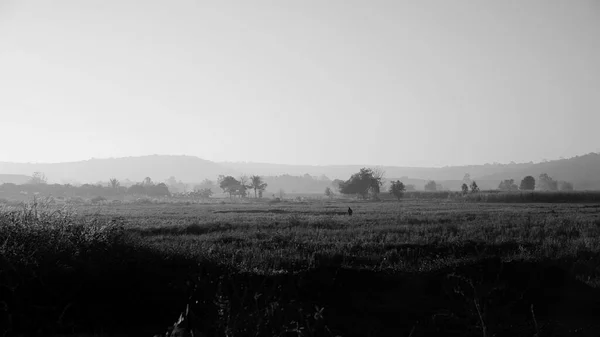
column 415, row 267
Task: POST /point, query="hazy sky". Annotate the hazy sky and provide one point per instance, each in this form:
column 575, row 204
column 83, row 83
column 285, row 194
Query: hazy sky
column 411, row 83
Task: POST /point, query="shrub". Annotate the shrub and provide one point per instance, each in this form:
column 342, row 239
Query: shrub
column 98, row 199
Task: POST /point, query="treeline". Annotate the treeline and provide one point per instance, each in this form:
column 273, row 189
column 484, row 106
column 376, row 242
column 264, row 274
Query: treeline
column 14, row 191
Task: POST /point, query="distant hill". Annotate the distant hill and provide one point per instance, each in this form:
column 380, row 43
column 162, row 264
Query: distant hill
column 582, row 171
column 344, row 171
column 157, row 167
column 18, row 179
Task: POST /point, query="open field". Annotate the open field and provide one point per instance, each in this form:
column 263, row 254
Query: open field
column 418, row 267
column 406, row 236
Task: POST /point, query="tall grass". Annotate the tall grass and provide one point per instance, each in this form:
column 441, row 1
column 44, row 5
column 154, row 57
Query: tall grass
column 61, row 272
column 38, row 233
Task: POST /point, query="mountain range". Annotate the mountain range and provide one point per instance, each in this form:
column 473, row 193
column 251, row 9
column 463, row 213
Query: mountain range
column 583, row 171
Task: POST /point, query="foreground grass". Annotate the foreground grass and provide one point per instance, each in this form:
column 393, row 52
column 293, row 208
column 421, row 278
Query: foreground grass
column 272, row 269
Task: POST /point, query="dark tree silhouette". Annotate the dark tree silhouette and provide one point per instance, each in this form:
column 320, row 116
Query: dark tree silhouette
column 349, row 211
column 257, row 184
column 244, row 185
column 361, row 183
column 527, row 184
column 465, row 188
column 397, row 189
column 230, row 185
column 474, row 187
column 114, row 183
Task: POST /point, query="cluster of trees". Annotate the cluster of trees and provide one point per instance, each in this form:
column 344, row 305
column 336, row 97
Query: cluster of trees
column 465, row 188
column 367, row 182
column 544, row 183
column 235, row 187
column 431, row 186
column 146, row 187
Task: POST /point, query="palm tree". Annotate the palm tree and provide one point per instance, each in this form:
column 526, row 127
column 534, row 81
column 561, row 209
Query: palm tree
column 257, row 184
column 114, row 183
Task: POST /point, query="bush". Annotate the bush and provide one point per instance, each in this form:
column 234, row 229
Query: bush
column 98, row 199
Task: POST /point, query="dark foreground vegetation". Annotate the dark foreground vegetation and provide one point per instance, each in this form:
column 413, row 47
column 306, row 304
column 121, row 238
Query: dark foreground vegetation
column 410, row 268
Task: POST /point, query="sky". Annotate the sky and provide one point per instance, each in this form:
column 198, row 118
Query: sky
column 316, row 82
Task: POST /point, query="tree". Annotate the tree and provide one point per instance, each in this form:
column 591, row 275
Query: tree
column 158, row 190
column 38, row 178
column 565, row 186
column 363, row 182
column 465, row 188
column 527, row 184
column 431, row 186
column 546, row 183
column 323, row 177
column 114, row 183
column 467, row 179
column 328, row 192
column 206, row 183
column 336, row 183
column 147, row 182
column 474, row 187
column 244, row 185
column 508, row 185
column 378, row 174
column 229, row 185
column 257, row 184
column 397, row 189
